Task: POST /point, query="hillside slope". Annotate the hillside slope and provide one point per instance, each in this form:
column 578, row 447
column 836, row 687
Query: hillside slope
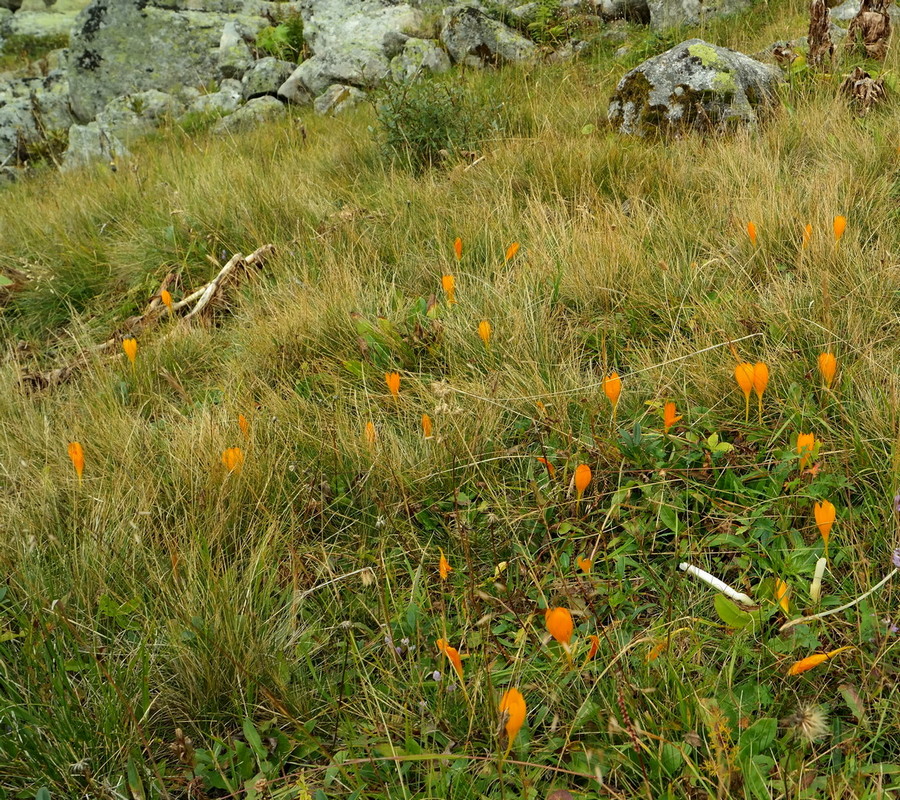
column 173, row 627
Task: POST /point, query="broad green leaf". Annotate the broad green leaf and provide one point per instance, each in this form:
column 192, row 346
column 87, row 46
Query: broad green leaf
column 730, row 614
column 254, row 740
column 4, row 281
column 853, row 701
column 759, row 736
column 671, row 759
column 755, row 772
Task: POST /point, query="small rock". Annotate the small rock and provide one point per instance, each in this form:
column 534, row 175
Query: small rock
column 419, row 57
column 631, row 10
column 694, row 85
column 265, row 77
column 676, row 13
column 338, row 98
column 474, row 39
column 226, row 101
column 257, row 111
column 235, row 56
column 134, row 115
column 848, row 10
column 90, row 143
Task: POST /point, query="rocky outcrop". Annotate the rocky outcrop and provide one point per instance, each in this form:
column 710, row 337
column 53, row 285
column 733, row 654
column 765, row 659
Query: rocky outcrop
column 255, row 112
column 123, row 46
column 674, row 13
column 695, row 85
column 337, row 99
column 474, row 39
column 32, row 111
column 265, row 77
column 90, row 143
column 419, row 57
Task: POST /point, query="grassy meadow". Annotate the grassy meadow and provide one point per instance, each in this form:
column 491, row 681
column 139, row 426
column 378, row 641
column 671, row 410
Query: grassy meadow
column 173, row 628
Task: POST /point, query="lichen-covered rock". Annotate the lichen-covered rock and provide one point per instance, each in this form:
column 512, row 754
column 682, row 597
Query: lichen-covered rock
column 123, row 46
column 632, row 10
column 675, row 13
column 266, row 76
column 40, row 26
column 227, row 100
column 257, row 111
column 338, row 98
column 417, row 58
column 474, row 39
column 31, row 110
column 235, row 57
column 10, row 5
column 694, row 85
column 138, row 114
column 352, row 43
column 90, row 143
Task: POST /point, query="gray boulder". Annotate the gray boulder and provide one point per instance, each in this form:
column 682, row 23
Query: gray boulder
column 676, row 13
column 227, row 100
column 40, row 26
column 847, row 10
column 32, row 110
column 352, row 42
column 338, row 98
column 694, row 85
column 257, row 111
column 90, row 143
column 235, row 56
column 265, row 77
column 417, row 58
column 123, row 46
column 134, row 115
column 632, row 10
column 474, row 39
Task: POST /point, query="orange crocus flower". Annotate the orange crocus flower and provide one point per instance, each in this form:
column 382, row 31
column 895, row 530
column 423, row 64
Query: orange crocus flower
column 840, row 225
column 559, row 624
column 76, row 454
column 457, row 248
column 595, row 646
column 807, row 235
column 582, row 479
column 244, row 425
column 484, row 331
column 511, row 251
column 513, row 710
column 743, row 374
column 166, row 296
column 233, row 459
column 806, row 446
column 827, row 367
column 782, row 595
column 370, row 433
column 825, row 514
column 130, row 347
column 448, row 284
column 426, row 426
column 814, row 660
column 585, row 564
column 444, row 568
column 760, row 382
column 452, row 654
column 612, row 388
column 551, row 470
column 669, row 416
column 751, row 232
column 392, row 379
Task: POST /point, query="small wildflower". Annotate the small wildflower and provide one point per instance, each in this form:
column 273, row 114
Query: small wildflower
column 751, row 232
column 551, row 470
column 827, row 368
column 559, row 624
column 233, row 459
column 370, row 433
column 511, row 251
column 595, row 646
column 457, row 248
column 814, row 660
column 824, row 513
column 670, row 416
column 612, row 388
column 806, row 445
column 392, row 379
column 452, row 654
column 427, row 426
column 436, row 676
column 513, row 711
column 807, row 235
column 166, row 296
column 484, row 332
column 895, row 558
column 782, row 595
column 585, row 564
column 840, row 225
column 130, row 346
column 582, row 479
column 76, row 454
column 444, row 568
column 743, row 374
column 448, row 284
column 244, row 425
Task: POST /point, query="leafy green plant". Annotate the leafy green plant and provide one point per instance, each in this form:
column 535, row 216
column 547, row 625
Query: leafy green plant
column 425, row 123
column 285, row 40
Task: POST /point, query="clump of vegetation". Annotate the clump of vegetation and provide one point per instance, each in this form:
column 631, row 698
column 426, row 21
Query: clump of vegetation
column 428, row 123
column 21, row 49
column 284, row 40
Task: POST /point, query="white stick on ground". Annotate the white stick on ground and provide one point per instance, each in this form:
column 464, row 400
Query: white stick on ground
column 844, row 607
column 719, row 586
